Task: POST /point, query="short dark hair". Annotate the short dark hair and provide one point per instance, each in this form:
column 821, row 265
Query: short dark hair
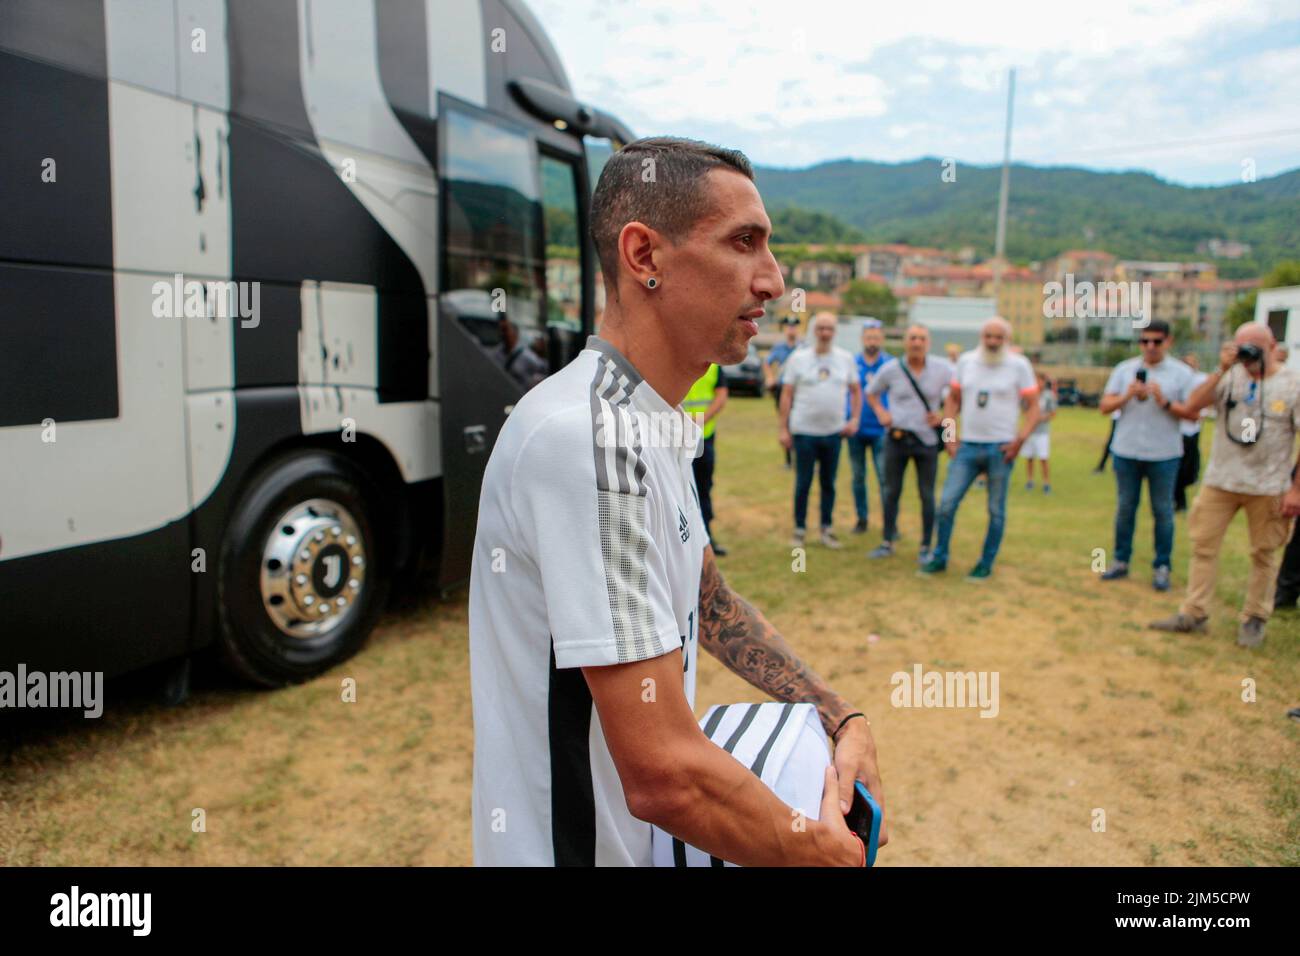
column 672, row 203
column 1156, row 325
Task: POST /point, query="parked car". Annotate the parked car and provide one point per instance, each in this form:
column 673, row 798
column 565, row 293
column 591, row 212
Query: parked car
column 1067, row 392
column 746, row 376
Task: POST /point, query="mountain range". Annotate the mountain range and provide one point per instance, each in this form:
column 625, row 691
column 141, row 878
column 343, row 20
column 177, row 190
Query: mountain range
column 1133, row 215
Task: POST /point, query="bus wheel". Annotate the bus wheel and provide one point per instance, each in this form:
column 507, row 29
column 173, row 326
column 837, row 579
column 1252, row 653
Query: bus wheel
column 300, row 586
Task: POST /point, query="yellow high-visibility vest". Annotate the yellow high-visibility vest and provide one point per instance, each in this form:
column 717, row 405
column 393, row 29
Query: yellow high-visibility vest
column 700, row 397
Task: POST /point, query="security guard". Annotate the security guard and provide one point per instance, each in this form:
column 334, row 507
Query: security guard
column 703, row 402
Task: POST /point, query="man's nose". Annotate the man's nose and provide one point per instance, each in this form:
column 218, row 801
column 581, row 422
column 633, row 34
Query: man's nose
column 768, row 283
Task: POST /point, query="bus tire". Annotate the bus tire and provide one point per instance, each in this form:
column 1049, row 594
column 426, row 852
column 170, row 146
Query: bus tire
column 301, row 540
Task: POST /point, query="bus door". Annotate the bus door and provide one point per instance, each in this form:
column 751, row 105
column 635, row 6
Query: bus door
column 515, row 300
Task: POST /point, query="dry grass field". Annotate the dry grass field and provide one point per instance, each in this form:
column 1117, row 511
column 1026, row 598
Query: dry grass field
column 1095, row 710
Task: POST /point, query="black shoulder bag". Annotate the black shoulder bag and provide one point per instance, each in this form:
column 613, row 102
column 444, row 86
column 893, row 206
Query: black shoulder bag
column 938, row 429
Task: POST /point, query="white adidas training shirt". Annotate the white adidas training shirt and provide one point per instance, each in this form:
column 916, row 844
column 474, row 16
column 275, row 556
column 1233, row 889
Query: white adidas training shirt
column 588, row 552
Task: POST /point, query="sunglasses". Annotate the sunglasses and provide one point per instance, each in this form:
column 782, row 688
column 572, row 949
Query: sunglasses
column 1151, row 341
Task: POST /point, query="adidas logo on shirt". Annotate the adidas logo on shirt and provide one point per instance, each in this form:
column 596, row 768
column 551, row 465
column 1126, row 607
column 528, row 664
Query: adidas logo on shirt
column 683, row 526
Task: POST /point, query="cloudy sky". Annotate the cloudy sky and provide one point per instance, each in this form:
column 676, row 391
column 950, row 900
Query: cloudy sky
column 1187, row 90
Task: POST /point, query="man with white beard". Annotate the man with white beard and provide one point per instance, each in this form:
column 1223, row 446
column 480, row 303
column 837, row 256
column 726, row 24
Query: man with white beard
column 988, row 387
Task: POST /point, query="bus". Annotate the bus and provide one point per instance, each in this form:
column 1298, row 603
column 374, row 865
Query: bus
column 272, row 275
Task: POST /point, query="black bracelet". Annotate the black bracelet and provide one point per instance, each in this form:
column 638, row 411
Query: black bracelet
column 845, row 721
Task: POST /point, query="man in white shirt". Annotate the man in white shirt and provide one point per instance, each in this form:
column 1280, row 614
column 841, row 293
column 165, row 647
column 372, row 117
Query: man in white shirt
column 814, row 386
column 988, row 387
column 594, row 587
column 1149, row 391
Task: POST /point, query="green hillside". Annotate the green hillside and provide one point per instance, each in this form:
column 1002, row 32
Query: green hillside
column 1131, row 214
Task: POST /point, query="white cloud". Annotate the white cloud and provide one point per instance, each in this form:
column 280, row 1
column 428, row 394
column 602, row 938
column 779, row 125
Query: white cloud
column 1095, row 80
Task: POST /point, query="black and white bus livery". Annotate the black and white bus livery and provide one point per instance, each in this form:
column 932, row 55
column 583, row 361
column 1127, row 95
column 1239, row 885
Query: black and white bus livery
column 272, row 274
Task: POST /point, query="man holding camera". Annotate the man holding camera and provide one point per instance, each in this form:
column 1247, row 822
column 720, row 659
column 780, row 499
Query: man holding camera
column 1258, row 406
column 914, row 387
column 1150, row 393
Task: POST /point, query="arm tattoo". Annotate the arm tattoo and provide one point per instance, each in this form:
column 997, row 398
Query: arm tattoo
column 736, row 633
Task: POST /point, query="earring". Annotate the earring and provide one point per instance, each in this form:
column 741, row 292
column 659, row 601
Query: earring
column 651, row 282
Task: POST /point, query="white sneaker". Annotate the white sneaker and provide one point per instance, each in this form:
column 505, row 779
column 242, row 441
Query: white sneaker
column 829, row 540
column 797, row 539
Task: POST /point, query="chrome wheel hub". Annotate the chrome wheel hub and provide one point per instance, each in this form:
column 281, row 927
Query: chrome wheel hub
column 313, row 568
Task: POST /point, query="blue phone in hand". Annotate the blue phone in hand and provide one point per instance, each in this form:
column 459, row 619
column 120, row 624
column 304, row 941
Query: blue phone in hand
column 864, row 819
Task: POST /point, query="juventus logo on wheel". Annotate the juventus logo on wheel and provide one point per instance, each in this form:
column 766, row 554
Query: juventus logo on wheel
column 333, row 570
column 683, row 526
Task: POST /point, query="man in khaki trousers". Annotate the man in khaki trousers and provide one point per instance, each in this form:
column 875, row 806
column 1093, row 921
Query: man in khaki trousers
column 1258, row 405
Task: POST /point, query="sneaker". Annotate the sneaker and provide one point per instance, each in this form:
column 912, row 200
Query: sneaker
column 1294, row 713
column 933, row 566
column 829, row 540
column 1160, row 579
column 883, row 550
column 1029, row 486
column 1180, row 623
column 860, row 527
column 718, row 550
column 1251, row 632
column 923, row 556
column 1117, row 570
column 979, row 572
column 797, row 539
column 1285, row 601
column 1047, row 489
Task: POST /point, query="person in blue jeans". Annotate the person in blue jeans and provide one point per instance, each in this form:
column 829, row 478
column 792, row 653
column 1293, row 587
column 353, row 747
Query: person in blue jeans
column 774, row 365
column 870, row 435
column 813, row 389
column 990, row 384
column 973, row 459
column 1150, row 392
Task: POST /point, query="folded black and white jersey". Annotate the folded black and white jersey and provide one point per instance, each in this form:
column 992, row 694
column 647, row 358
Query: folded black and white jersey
column 783, row 744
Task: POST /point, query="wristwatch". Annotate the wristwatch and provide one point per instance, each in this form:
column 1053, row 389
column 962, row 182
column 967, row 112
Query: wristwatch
column 1168, row 402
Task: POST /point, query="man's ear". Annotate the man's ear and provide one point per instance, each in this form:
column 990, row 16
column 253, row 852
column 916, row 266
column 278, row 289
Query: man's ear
column 637, row 245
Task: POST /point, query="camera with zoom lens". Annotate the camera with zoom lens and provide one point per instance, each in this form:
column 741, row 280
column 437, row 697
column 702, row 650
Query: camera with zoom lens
column 1249, row 354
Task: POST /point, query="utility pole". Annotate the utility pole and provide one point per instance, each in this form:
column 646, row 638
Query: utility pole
column 1001, row 242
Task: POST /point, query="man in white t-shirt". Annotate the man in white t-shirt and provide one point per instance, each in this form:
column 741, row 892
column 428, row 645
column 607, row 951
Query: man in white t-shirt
column 593, row 586
column 988, row 387
column 814, row 385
